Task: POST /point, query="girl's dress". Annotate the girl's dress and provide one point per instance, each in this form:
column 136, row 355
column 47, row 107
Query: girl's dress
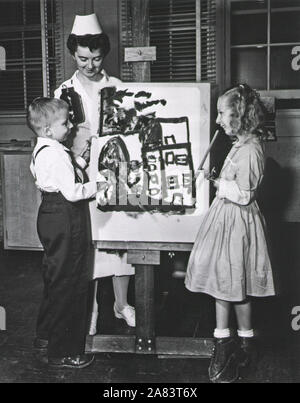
column 230, row 257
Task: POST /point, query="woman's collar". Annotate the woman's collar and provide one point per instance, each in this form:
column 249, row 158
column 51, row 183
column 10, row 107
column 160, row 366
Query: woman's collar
column 104, row 77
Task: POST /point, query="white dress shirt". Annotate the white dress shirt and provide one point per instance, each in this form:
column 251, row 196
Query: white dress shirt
column 53, row 171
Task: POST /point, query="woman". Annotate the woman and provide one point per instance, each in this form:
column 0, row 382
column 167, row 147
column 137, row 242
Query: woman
column 89, row 45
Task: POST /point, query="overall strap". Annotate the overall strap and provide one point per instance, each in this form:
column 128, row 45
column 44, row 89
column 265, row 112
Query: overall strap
column 75, row 165
column 38, row 151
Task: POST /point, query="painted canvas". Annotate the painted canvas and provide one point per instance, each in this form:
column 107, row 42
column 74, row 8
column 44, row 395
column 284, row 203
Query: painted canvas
column 150, row 141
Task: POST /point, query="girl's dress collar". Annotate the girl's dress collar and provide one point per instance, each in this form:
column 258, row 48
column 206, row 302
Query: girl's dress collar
column 248, row 138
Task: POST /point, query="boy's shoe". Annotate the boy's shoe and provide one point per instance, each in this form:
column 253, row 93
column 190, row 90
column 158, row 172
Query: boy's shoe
column 77, row 361
column 127, row 313
column 223, row 366
column 40, row 344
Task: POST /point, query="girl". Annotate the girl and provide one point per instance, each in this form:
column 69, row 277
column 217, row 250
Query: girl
column 230, row 259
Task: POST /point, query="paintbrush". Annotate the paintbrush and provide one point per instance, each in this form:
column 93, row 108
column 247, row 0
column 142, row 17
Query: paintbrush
column 200, row 168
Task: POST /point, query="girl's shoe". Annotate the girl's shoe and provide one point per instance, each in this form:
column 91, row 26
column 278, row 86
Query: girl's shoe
column 247, row 350
column 223, row 365
column 127, row 313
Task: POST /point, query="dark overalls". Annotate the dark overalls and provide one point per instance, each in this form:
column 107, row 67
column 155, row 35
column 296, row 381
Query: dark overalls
column 63, row 232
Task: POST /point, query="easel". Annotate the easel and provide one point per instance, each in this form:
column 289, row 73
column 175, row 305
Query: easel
column 145, row 256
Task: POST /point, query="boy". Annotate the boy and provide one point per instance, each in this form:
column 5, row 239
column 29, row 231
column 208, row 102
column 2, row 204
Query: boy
column 62, row 229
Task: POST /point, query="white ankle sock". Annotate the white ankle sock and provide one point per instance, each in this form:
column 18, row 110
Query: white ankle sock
column 221, row 333
column 245, row 333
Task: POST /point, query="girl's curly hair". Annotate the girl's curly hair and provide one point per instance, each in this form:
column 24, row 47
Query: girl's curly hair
column 248, row 111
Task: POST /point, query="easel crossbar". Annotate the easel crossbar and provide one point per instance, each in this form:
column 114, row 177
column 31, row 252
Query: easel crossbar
column 185, row 346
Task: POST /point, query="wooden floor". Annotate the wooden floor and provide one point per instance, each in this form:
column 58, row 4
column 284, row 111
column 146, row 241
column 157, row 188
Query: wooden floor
column 179, row 313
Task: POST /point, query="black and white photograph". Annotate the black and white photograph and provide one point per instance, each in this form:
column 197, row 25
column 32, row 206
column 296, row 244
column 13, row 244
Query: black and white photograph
column 149, row 194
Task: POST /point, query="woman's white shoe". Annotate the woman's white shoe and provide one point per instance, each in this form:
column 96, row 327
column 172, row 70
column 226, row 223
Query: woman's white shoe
column 127, row 313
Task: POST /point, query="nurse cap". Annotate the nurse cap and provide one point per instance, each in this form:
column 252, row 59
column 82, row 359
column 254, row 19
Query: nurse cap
column 86, row 25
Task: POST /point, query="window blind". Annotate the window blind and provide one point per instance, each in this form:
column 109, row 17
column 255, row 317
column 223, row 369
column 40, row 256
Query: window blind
column 125, row 39
column 28, row 30
column 173, row 32
column 208, row 26
column 184, row 33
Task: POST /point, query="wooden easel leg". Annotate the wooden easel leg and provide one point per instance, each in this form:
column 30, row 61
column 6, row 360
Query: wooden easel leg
column 144, row 262
column 144, row 305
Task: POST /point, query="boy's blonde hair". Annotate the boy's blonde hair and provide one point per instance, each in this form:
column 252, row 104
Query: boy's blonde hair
column 43, row 111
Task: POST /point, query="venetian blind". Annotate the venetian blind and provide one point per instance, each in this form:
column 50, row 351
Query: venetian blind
column 173, row 32
column 184, row 33
column 126, row 38
column 208, row 28
column 28, row 31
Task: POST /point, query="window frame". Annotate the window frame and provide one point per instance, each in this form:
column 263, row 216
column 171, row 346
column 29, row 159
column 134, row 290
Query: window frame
column 5, row 115
column 279, row 93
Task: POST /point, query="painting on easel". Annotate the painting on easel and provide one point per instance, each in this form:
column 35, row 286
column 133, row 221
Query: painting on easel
column 151, row 138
